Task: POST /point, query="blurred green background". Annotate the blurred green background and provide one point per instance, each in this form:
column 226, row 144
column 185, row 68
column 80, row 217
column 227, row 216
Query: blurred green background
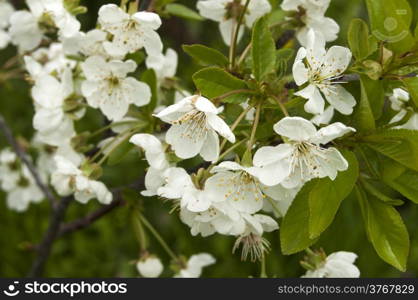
column 108, row 247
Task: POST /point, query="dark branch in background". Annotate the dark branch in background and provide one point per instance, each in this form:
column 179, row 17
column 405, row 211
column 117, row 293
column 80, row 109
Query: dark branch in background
column 44, row 248
column 102, row 211
column 285, row 38
column 24, row 158
column 91, row 218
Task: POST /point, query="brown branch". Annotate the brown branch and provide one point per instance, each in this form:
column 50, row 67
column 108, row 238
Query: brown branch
column 44, row 248
column 90, row 219
column 24, row 158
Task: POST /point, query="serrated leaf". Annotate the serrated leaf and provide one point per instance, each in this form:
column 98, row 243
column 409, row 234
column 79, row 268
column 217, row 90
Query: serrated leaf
column 150, row 78
column 358, row 39
column 390, row 22
column 182, row 11
column 400, row 145
column 206, row 55
column 385, row 229
column 401, row 179
column 412, row 85
column 213, row 82
column 363, row 115
column 263, row 50
column 326, row 196
column 294, row 230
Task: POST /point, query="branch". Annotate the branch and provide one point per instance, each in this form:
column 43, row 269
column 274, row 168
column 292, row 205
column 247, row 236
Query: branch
column 91, row 218
column 44, row 248
column 102, row 211
column 24, row 158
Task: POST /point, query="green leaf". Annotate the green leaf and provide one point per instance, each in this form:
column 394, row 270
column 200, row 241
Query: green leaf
column 375, row 94
column 213, row 82
column 206, row 55
column 263, row 50
column 363, row 115
column 390, row 22
column 358, row 39
column 150, row 78
column 401, row 179
column 400, row 145
column 294, row 230
column 182, row 11
column 326, row 196
column 385, row 229
column 119, row 153
column 412, row 85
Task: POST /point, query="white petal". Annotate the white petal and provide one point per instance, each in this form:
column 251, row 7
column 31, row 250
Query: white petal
column 300, row 72
column 210, row 148
column 227, row 27
column 336, row 61
column 184, row 143
column 205, row 105
column 340, row 99
column 148, row 19
column 219, row 125
column 295, row 128
column 269, row 154
column 331, row 132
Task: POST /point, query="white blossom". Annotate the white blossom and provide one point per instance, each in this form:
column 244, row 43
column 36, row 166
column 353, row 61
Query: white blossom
column 150, row 267
column 88, row 44
column 68, row 179
column 337, row 265
column 399, row 102
column 227, row 12
column 179, row 185
column 156, row 157
column 312, row 16
column 107, row 86
column 18, row 182
column 165, row 66
column 302, row 157
column 28, row 27
column 322, row 71
column 195, row 128
column 6, row 10
column 195, row 265
column 130, row 32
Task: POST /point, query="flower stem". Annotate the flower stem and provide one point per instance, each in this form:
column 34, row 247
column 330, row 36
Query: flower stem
column 235, row 124
column 139, row 231
column 235, row 36
column 255, row 125
column 281, row 105
column 158, row 237
column 263, row 273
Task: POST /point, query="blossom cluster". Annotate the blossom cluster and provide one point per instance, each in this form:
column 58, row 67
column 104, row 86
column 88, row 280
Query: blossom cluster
column 243, row 196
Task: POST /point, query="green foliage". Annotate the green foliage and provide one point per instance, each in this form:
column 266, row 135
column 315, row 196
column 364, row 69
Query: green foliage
column 206, row 55
column 401, row 179
column 359, row 40
column 385, row 229
column 263, row 50
column 390, row 22
column 182, row 11
column 294, row 230
column 412, row 85
column 213, row 82
column 400, row 145
column 363, row 115
column 150, row 78
column 326, row 196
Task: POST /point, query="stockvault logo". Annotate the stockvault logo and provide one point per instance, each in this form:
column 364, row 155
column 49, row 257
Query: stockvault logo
column 12, row 290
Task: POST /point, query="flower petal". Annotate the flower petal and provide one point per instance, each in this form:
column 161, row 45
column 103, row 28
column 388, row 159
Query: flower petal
column 295, row 128
column 339, row 98
column 219, row 125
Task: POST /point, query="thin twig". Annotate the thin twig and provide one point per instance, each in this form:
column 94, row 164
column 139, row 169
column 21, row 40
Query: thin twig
column 44, row 248
column 24, row 158
column 90, row 219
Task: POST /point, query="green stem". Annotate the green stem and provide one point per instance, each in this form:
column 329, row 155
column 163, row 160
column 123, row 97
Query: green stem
column 236, row 122
column 281, row 105
column 101, row 130
column 234, row 92
column 235, row 35
column 263, row 273
column 158, row 237
column 255, row 125
column 139, row 232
